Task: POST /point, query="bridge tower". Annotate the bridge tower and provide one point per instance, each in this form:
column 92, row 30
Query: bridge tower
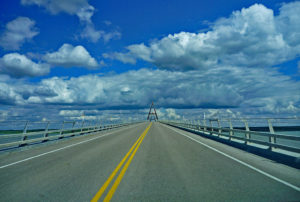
column 152, row 115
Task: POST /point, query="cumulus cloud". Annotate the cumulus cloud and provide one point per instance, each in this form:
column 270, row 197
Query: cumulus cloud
column 251, row 37
column 83, row 10
column 17, row 65
column 237, row 89
column 288, row 23
column 89, row 32
column 107, row 36
column 3, row 115
column 265, row 91
column 93, row 35
column 176, row 94
column 56, row 6
column 8, row 95
column 85, row 13
column 224, row 65
column 87, row 115
column 70, row 56
column 17, row 32
column 171, row 114
column 72, row 113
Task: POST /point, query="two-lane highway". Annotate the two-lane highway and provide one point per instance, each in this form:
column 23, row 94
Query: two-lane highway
column 144, row 162
column 71, row 174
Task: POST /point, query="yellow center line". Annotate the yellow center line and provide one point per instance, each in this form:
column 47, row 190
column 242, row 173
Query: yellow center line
column 119, row 178
column 112, row 175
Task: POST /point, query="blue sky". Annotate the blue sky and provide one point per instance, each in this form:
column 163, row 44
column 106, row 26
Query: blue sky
column 62, row 58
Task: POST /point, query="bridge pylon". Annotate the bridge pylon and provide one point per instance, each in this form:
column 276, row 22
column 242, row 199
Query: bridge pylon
column 152, row 115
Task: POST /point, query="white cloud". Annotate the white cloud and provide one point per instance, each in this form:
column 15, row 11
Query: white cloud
column 3, row 115
column 90, row 33
column 56, row 6
column 8, row 95
column 17, row 32
column 171, row 114
column 73, row 113
column 83, row 10
column 17, row 65
column 91, row 115
column 252, row 37
column 235, row 94
column 93, row 35
column 250, row 90
column 107, row 22
column 288, row 23
column 107, row 36
column 218, row 60
column 70, row 56
column 85, row 13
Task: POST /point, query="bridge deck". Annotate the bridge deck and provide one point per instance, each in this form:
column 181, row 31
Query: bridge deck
column 169, row 165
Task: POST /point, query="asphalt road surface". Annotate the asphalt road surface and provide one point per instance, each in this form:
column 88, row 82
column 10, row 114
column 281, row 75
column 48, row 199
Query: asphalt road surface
column 143, row 162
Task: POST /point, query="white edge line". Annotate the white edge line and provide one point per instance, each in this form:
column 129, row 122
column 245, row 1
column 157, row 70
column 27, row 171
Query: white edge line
column 49, row 152
column 239, row 161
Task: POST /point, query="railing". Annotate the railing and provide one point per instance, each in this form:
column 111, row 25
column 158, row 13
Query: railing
column 12, row 135
column 261, row 132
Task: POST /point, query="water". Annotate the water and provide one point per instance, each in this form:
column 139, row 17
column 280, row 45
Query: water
column 292, row 143
column 293, row 133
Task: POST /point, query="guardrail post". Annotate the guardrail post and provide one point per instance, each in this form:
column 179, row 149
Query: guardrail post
column 219, row 126
column 272, row 139
column 199, row 125
column 204, row 124
column 100, row 126
column 46, row 131
column 72, row 130
column 231, row 128
column 24, row 137
column 211, row 127
column 82, row 124
column 61, row 129
column 90, row 126
column 247, row 135
column 95, row 126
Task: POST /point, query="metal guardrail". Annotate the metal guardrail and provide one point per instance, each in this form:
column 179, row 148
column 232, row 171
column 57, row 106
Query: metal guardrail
column 269, row 138
column 18, row 138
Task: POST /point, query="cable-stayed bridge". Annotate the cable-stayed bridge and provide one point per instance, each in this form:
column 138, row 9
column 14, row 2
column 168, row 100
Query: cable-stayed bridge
column 199, row 160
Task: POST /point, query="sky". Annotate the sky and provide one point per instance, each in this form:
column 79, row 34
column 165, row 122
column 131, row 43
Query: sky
column 60, row 59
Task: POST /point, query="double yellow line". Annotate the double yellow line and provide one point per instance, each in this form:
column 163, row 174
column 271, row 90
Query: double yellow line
column 114, row 187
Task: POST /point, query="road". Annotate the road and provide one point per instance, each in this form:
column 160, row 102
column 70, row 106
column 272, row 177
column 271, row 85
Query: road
column 160, row 163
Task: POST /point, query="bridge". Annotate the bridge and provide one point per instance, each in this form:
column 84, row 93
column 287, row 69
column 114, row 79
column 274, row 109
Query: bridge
column 147, row 161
